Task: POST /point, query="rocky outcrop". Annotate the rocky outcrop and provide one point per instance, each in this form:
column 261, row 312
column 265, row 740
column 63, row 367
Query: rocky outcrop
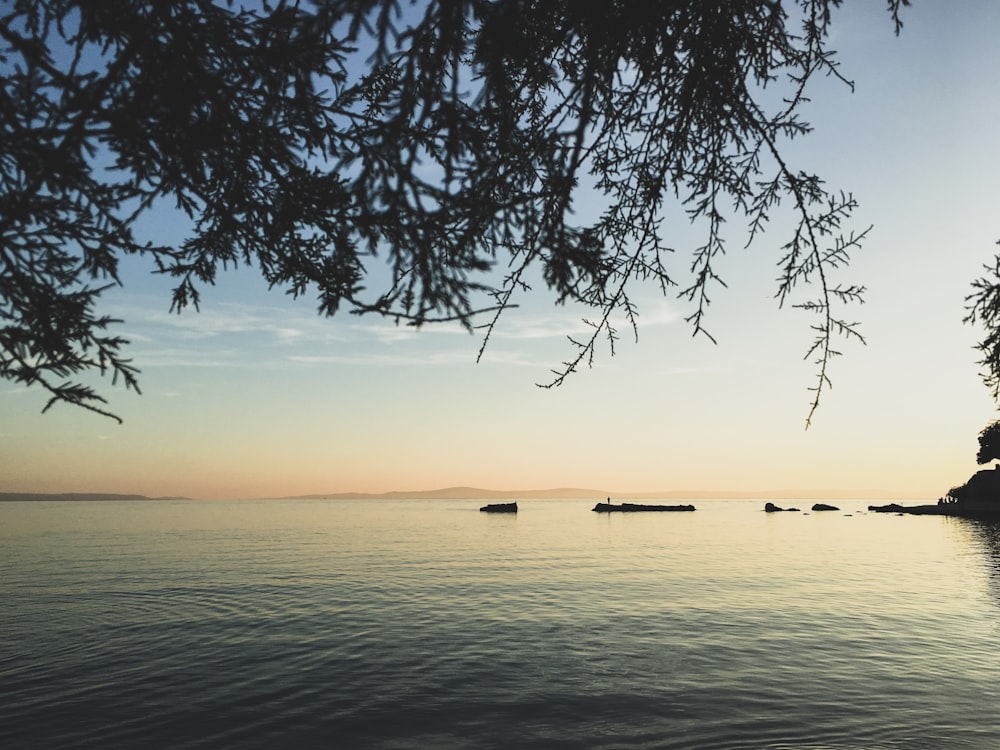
column 824, row 506
column 915, row 510
column 499, row 508
column 977, row 498
column 636, row 508
column 772, row 508
column 980, row 494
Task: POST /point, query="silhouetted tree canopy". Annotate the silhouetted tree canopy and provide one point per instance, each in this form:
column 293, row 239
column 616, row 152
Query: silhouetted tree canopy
column 448, row 140
column 989, row 443
column 983, row 307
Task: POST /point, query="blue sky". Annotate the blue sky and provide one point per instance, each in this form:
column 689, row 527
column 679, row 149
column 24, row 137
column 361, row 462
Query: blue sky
column 257, row 396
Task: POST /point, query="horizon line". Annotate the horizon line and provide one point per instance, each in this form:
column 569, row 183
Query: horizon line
column 479, row 493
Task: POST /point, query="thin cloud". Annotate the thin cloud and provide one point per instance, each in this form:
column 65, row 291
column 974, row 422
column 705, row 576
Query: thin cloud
column 223, row 319
column 571, row 322
column 300, row 337
column 395, row 359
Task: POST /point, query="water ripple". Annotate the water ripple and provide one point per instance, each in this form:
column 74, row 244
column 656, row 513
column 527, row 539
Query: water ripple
column 428, row 625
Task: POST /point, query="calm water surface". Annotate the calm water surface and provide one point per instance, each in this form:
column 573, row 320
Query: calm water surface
column 426, row 624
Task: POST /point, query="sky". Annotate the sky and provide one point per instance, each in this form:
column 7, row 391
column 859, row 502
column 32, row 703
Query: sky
column 257, row 396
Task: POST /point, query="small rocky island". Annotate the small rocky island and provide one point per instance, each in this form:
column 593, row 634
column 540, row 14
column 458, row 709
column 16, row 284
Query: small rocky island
column 772, row 508
column 610, row 507
column 499, row 508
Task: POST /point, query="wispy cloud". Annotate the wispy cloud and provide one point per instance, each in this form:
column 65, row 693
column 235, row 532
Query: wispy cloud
column 222, row 321
column 571, row 322
column 430, row 358
column 14, row 390
column 276, row 335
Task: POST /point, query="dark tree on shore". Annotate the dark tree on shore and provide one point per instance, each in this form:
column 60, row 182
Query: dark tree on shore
column 989, row 443
column 447, row 140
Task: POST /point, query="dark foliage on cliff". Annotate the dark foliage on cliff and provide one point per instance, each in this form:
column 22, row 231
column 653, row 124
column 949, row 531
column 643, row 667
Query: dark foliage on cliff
column 989, row 443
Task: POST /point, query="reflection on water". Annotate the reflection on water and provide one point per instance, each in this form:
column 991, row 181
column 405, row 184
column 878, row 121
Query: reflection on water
column 429, row 624
column 983, row 551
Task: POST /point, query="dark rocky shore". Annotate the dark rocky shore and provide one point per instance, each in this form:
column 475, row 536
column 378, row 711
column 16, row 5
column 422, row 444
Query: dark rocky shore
column 977, row 498
column 956, row 510
column 915, row 510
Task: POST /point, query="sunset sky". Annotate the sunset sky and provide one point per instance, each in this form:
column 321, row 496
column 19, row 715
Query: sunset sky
column 257, row 396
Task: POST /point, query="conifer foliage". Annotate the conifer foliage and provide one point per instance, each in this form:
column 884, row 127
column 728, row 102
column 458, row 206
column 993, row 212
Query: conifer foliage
column 446, row 140
column 989, row 444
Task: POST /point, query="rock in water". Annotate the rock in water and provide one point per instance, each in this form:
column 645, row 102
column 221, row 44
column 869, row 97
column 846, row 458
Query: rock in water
column 637, row 508
column 499, row 508
column 772, row 508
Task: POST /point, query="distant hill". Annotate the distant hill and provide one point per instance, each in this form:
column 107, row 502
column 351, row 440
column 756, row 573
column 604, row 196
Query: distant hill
column 461, row 493
column 74, row 496
column 477, row 493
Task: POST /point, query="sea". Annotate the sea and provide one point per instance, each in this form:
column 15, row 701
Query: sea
column 428, row 624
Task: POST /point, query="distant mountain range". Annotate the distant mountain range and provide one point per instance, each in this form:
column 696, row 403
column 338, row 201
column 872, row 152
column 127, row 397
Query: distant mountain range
column 25, row 496
column 462, row 493
column 477, row 493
